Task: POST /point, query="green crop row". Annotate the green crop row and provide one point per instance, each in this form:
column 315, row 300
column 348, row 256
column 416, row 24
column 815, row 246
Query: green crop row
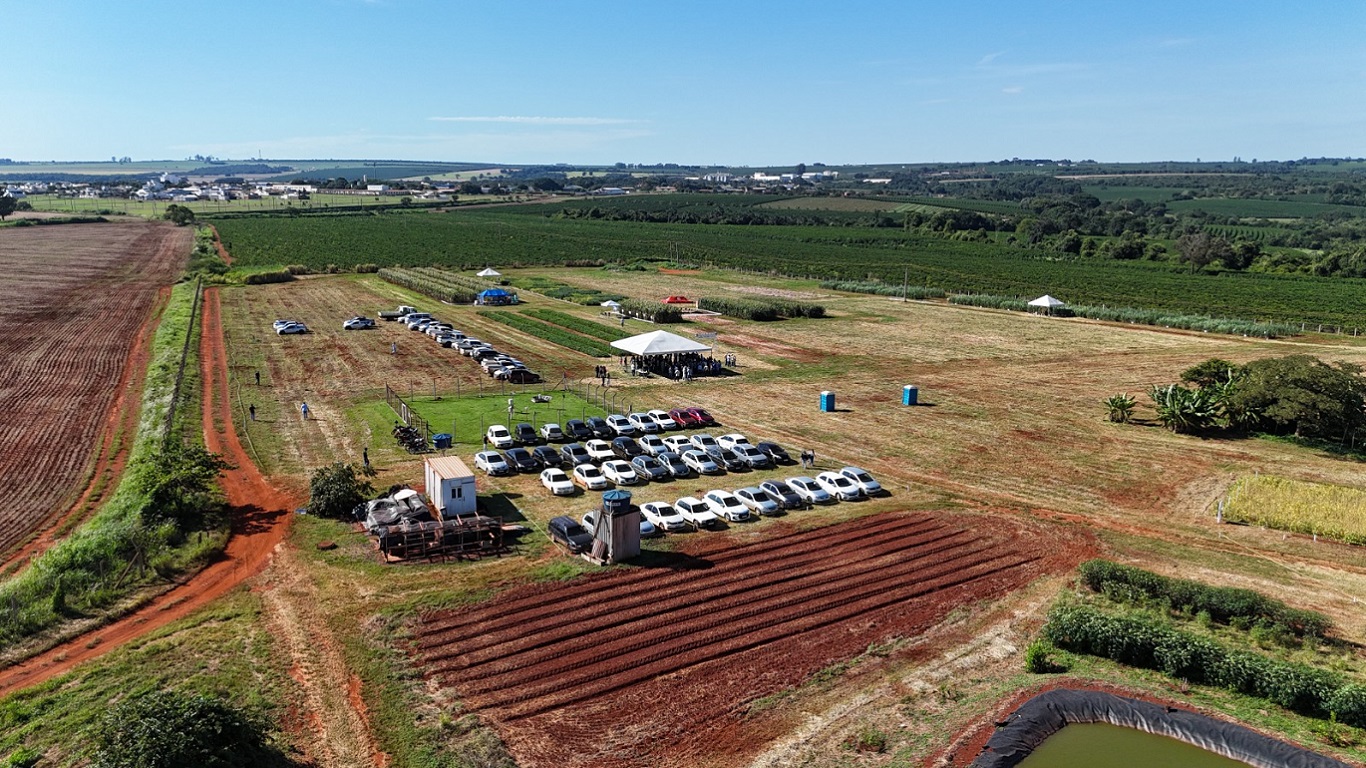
column 879, row 288
column 1136, row 316
column 550, row 333
column 756, row 309
column 429, row 285
column 579, row 324
column 654, row 311
column 1225, row 605
column 1151, row 644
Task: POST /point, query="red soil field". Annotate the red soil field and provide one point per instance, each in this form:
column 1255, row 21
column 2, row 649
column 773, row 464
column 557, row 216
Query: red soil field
column 74, row 299
column 656, row 666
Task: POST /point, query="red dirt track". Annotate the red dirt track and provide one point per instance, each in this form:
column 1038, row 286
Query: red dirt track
column 260, row 520
column 59, row 389
column 656, row 666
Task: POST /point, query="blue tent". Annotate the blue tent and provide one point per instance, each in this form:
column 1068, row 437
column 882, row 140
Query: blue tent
column 497, row 296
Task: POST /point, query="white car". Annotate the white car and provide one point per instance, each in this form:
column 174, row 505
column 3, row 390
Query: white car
column 599, row 450
column 552, row 433
column 663, row 420
column 557, row 482
column 652, row 444
column 278, row 324
column 809, row 490
column 620, row 472
column 705, row 442
column 701, row 463
column 291, row 328
column 664, row 516
column 732, row 440
column 863, row 480
column 696, row 512
column 839, row 486
column 358, row 323
column 492, row 462
column 499, row 436
column 590, row 477
column 726, row 505
column 678, row 443
column 757, row 501
column 621, row 425
column 643, row 423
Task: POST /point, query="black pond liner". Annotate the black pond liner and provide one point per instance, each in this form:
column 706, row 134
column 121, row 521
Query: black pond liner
column 1047, row 713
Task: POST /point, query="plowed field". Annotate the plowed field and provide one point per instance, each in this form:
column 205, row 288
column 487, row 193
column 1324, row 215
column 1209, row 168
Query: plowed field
column 655, row 666
column 73, row 303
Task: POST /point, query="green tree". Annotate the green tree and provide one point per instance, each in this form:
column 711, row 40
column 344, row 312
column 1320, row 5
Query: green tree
column 1200, row 249
column 179, row 215
column 336, row 489
column 8, row 205
column 1303, row 395
column 179, row 483
column 167, row 729
column 1209, row 373
column 1183, row 410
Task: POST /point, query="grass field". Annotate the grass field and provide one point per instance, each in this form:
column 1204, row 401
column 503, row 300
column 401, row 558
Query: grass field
column 1334, row 511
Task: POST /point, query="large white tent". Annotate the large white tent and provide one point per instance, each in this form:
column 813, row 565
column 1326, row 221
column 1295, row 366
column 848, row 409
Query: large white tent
column 1048, row 303
column 658, row 343
column 490, row 272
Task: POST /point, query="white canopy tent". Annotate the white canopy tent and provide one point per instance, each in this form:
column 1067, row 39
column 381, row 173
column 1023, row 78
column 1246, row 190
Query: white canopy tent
column 611, row 304
column 1048, row 303
column 658, row 343
column 490, row 272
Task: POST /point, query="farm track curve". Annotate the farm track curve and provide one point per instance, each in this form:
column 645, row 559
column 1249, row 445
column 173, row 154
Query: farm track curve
column 260, row 520
column 650, row 666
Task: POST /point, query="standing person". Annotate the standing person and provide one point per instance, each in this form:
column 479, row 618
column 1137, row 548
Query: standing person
column 251, row 409
column 365, row 456
column 486, row 442
column 393, row 348
column 258, row 378
column 813, row 458
column 303, row 409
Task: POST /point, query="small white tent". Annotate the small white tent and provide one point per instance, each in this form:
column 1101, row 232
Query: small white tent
column 611, row 304
column 490, row 272
column 658, row 343
column 1048, row 303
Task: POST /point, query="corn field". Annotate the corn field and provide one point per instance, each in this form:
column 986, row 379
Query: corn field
column 1333, row 511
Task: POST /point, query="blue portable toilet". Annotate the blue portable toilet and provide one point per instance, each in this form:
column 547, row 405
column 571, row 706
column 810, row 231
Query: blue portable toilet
column 827, row 402
column 910, row 395
column 441, row 440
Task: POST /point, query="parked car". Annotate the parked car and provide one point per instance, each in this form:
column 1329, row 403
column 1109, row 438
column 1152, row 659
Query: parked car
column 677, row 443
column 291, row 328
column 643, row 423
column 499, row 436
column 522, row 460
column 683, row 419
column 626, row 449
column 492, row 463
column 548, row 456
column 413, row 318
column 552, row 433
column 701, row 462
column 557, row 482
column 732, row 440
column 575, row 454
column 726, row 505
column 590, row 477
column 525, row 434
column 647, row 528
column 704, row 419
column 753, row 457
column 776, row 453
column 600, row 427
column 663, row 419
column 569, row 534
column 728, row 459
column 621, row 425
column 757, row 501
column 620, row 473
column 863, row 480
column 651, row 444
column 358, row 323
column 649, row 468
column 663, row 516
column 809, row 490
column 518, row 376
column 599, row 450
column 674, row 463
column 577, row 430
column 278, row 324
column 704, row 441
column 696, row 512
column 781, row 494
column 839, row 486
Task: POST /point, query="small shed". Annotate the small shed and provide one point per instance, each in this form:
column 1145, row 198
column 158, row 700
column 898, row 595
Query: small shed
column 450, row 485
column 616, row 528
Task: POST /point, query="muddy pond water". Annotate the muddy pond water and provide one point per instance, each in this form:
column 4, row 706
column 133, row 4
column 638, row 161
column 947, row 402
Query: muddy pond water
column 1101, row 745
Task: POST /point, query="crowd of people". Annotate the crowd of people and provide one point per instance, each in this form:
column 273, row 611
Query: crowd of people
column 683, row 366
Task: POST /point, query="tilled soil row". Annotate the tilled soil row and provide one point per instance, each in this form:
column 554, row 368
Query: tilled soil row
column 678, row 590
column 508, row 611
column 669, row 615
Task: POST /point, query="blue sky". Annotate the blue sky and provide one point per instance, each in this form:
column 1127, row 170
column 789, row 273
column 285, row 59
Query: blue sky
column 738, row 83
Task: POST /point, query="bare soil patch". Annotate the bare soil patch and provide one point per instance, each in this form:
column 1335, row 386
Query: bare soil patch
column 74, row 302
column 656, row 666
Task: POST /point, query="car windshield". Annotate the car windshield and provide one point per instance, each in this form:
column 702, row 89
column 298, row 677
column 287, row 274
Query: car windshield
column 700, row 413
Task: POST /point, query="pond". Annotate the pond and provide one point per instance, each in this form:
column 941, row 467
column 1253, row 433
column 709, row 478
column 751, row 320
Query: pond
column 1101, row 745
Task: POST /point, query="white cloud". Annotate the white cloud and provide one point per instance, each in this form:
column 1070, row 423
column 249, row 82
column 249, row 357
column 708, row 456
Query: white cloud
column 537, row 120
column 990, row 57
column 1013, row 89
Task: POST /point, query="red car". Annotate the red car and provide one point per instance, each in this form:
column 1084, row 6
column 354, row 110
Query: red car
column 683, row 419
column 703, row 418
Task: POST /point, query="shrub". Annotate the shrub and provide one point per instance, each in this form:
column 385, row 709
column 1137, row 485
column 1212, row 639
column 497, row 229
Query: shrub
column 1039, row 659
column 298, row 269
column 23, row 757
column 274, row 276
column 367, row 268
column 337, row 489
column 166, row 729
column 870, row 739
